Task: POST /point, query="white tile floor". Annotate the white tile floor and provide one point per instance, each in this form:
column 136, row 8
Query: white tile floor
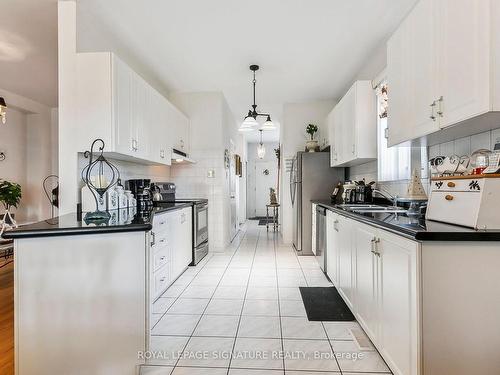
column 240, row 312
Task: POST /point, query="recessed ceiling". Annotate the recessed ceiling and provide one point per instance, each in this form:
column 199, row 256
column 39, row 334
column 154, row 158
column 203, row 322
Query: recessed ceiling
column 307, row 50
column 28, row 49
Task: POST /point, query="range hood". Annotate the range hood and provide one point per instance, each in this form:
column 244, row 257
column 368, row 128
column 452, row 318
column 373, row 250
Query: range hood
column 179, row 157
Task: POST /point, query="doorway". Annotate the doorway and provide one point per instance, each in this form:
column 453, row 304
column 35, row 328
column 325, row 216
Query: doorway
column 262, row 174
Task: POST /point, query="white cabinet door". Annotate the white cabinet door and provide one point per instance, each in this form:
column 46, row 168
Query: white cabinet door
column 423, row 69
column 122, row 126
column 398, row 299
column 330, row 123
column 348, row 125
column 180, row 130
column 398, row 81
column 332, row 244
column 412, row 76
column 345, row 257
column 365, row 297
column 186, row 239
column 140, row 117
column 355, row 126
column 464, row 63
column 337, row 121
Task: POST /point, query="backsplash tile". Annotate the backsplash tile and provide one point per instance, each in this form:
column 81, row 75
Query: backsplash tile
column 461, row 146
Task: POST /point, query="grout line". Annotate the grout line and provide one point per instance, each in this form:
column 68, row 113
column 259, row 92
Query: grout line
column 244, row 301
column 279, row 305
column 210, row 300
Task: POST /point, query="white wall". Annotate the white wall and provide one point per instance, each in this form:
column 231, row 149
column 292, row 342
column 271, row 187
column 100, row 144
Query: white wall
column 253, row 189
column 13, row 142
column 212, row 127
column 27, row 139
column 296, row 116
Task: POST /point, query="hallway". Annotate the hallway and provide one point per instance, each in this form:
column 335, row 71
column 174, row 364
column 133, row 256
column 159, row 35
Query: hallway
column 246, row 301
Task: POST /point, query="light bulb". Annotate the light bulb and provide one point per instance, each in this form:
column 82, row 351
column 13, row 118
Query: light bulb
column 261, row 151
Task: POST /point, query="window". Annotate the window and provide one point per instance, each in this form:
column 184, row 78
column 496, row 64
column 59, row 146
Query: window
column 395, row 163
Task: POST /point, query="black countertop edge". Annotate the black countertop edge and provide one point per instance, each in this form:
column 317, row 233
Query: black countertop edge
column 454, row 232
column 67, row 225
column 53, row 232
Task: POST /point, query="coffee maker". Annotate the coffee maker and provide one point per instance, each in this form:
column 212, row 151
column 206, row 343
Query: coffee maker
column 140, row 188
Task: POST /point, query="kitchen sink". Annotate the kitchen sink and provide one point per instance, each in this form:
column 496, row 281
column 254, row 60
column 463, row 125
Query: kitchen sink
column 389, row 210
column 371, row 208
column 358, row 206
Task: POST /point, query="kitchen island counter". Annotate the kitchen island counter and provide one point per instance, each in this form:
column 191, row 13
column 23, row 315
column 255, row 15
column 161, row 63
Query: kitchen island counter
column 417, row 229
column 122, row 220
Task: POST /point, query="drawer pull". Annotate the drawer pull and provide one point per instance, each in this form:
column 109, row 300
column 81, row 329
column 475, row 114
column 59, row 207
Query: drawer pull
column 448, row 197
column 451, row 184
column 162, row 280
column 162, row 258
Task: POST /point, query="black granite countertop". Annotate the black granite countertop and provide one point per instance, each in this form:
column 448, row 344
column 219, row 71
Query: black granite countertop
column 122, row 220
column 415, row 228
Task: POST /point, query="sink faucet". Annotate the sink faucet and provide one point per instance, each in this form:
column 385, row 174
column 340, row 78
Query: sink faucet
column 387, row 195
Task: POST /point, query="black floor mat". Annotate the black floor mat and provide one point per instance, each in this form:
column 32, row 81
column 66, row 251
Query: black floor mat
column 325, row 304
column 265, row 221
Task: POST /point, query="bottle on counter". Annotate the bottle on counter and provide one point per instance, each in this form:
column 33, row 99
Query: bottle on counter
column 122, row 198
column 131, row 202
column 112, row 199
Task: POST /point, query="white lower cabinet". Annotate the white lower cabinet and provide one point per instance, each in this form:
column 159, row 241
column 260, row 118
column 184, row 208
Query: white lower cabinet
column 171, row 248
column 365, row 290
column 376, row 272
column 332, row 247
column 345, row 280
column 398, row 279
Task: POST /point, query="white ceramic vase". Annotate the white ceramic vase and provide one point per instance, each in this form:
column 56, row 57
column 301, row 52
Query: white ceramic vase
column 311, row 145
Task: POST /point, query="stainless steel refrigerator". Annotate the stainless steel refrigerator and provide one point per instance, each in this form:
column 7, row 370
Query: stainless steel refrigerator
column 311, row 178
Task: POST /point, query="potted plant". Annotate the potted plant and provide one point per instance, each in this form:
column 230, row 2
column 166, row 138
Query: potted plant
column 312, row 144
column 10, row 196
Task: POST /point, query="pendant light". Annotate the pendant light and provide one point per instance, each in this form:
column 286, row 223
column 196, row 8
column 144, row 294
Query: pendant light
column 250, row 121
column 261, row 149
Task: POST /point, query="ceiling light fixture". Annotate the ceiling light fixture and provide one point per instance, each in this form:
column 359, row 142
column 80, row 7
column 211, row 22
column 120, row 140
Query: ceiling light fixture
column 261, row 149
column 3, row 113
column 250, row 122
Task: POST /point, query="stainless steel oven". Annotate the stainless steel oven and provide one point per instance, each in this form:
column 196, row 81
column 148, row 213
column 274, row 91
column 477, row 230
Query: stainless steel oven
column 200, row 230
column 200, row 226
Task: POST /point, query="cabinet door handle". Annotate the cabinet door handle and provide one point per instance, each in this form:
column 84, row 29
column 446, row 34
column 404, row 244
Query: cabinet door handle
column 433, row 106
column 163, row 279
column 335, row 225
column 353, row 149
column 449, row 197
column 440, row 106
column 162, row 258
column 153, row 238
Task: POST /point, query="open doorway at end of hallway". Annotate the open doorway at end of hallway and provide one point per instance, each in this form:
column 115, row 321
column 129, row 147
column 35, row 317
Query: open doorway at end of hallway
column 262, row 175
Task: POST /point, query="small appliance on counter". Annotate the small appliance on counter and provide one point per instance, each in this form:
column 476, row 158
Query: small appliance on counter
column 140, row 189
column 357, row 192
column 164, row 193
column 471, row 201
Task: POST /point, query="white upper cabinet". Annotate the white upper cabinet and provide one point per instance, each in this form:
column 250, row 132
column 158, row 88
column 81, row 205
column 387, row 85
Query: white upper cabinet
column 464, row 58
column 439, row 72
column 135, row 121
column 180, row 130
column 353, row 127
